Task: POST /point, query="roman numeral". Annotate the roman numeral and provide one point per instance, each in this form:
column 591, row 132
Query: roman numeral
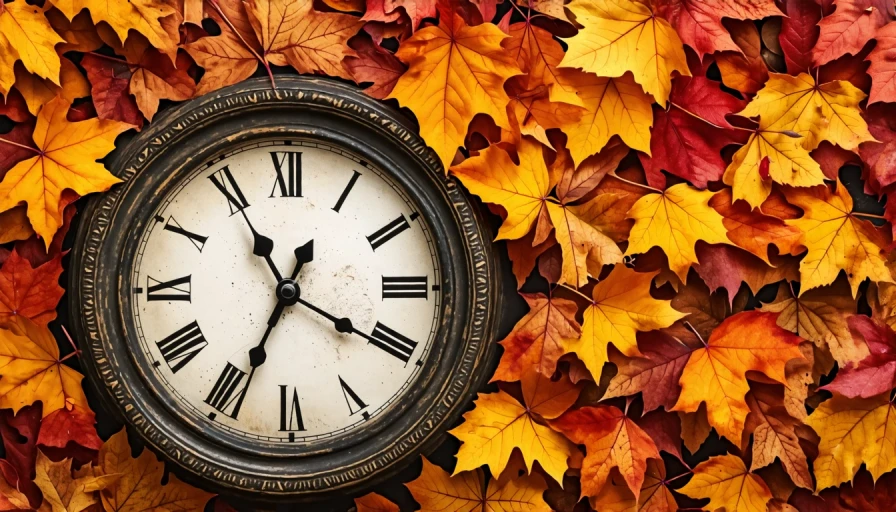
column 388, row 232
column 225, row 392
column 290, row 413
column 393, row 343
column 176, row 289
column 352, row 400
column 224, row 182
column 405, row 287
column 198, row 241
column 182, row 346
column 289, row 180
column 348, row 188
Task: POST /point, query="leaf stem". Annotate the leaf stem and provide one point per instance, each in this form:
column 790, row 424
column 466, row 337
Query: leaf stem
column 648, row 187
column 106, row 57
column 77, row 351
column 691, row 327
column 869, row 215
column 29, row 148
column 674, row 478
column 576, row 291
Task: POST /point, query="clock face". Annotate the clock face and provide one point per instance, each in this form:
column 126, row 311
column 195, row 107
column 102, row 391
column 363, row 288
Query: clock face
column 243, row 348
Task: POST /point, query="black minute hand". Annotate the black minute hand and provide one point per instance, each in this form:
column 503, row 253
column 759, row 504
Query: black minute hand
column 343, row 325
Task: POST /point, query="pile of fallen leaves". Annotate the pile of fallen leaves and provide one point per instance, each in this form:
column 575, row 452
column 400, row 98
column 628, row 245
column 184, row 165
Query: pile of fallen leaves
column 711, row 319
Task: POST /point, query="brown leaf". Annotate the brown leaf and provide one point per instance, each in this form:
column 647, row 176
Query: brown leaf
column 774, row 433
column 109, row 81
column 374, row 64
column 29, row 292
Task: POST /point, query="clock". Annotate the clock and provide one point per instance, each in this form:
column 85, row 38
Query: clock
column 286, row 297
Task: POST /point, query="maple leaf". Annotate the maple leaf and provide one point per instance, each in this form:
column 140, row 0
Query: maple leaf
column 61, row 492
column 231, row 56
column 874, row 374
column 755, row 231
column 375, row 65
column 837, row 240
column 585, row 247
column 611, row 440
column 774, row 433
column 687, row 139
column 14, row 225
column 142, row 16
column 140, row 484
column 626, row 36
column 799, row 33
column 110, row 81
column 577, row 181
column 882, row 69
column 674, row 221
column 63, row 426
column 155, row 78
column 538, row 56
column 19, row 432
column 878, row 156
column 613, row 106
column 80, row 34
column 29, row 292
column 743, row 71
column 621, row 307
column 537, row 340
column 26, row 36
column 699, row 23
column 852, row 24
column 716, row 374
column 853, row 431
column 435, row 489
column 373, row 502
column 454, row 72
column 37, row 91
column 66, row 159
column 816, row 112
column 726, row 482
column 655, row 495
column 820, row 316
column 499, row 424
column 724, row 266
column 32, row 370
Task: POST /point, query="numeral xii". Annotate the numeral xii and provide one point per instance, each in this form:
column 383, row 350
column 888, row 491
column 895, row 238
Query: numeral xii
column 288, row 166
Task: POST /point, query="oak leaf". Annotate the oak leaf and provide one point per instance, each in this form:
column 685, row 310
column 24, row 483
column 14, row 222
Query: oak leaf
column 837, row 240
column 373, row 502
column 435, row 489
column 815, row 112
column 26, row 36
column 724, row 479
column 537, row 341
column 716, row 374
column 626, row 36
column 30, row 292
column 32, row 370
column 852, row 24
column 611, row 440
column 140, row 486
column 455, row 71
column 62, row 492
column 66, row 159
column 853, row 431
column 621, row 306
column 499, row 424
column 874, row 374
column 675, row 220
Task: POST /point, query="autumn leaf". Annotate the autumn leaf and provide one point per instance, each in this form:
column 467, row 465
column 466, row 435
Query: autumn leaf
column 837, row 240
column 454, row 72
column 744, row 71
column 853, row 431
column 584, row 245
column 611, row 440
column 716, row 374
column 499, row 424
column 14, row 225
column 849, row 27
column 621, row 307
column 61, row 491
column 625, row 36
column 32, row 370
column 139, row 486
column 875, row 373
column 755, row 231
column 538, row 56
column 26, row 36
column 231, row 56
column 726, row 482
column 110, row 89
column 38, row 91
column 435, row 489
column 373, row 502
column 29, row 292
column 375, row 65
column 882, row 69
column 537, row 340
column 66, row 159
column 674, row 221
column 655, row 495
column 156, row 78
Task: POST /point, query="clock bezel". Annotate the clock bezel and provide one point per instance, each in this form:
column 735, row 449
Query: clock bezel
column 314, row 108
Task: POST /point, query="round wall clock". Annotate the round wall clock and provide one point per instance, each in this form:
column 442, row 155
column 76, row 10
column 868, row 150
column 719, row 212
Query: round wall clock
column 286, row 297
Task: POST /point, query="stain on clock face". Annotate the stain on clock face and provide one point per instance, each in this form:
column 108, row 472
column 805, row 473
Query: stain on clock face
column 286, row 291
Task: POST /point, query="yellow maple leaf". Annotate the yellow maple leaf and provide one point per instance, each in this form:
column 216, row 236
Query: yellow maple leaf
column 674, row 221
column 853, row 431
column 788, row 163
column 62, row 492
column 435, row 489
column 716, row 374
column 139, row 487
column 520, row 189
column 585, row 248
column 724, row 479
column 827, row 111
column 622, row 306
column 38, row 91
column 625, row 35
column 454, row 72
column 26, row 36
column 837, row 240
column 32, row 370
column 143, row 16
column 499, row 424
column 613, row 106
column 66, row 159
